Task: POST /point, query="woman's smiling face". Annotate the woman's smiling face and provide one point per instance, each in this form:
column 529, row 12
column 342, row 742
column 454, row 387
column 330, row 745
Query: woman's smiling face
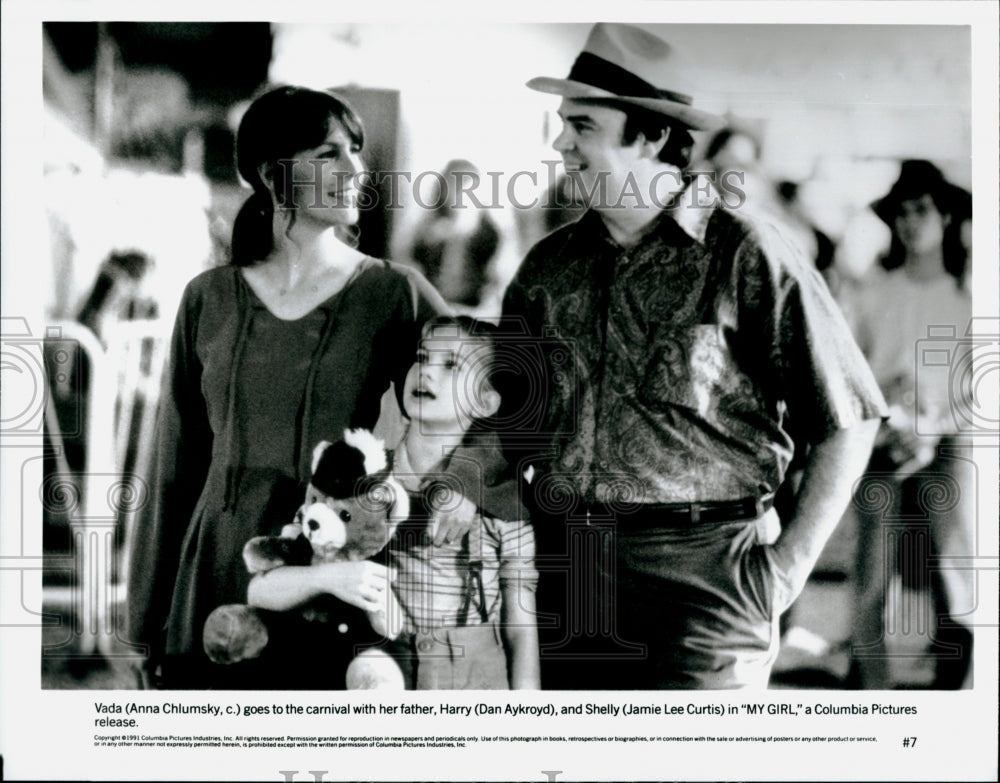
column 324, row 181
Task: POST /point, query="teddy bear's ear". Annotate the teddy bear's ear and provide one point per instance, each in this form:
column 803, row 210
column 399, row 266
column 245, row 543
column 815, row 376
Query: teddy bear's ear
column 372, row 449
column 318, row 452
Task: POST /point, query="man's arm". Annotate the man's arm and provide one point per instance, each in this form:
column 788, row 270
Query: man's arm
column 833, row 467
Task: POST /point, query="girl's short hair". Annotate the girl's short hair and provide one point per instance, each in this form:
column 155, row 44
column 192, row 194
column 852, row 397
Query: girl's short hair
column 475, row 329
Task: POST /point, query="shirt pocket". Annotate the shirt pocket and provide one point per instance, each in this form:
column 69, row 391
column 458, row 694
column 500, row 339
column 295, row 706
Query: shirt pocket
column 687, row 367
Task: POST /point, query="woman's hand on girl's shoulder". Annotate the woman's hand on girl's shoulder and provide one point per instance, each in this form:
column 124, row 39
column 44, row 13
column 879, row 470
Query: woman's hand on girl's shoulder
column 451, row 523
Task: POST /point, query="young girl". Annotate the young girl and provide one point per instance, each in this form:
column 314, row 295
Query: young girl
column 468, row 606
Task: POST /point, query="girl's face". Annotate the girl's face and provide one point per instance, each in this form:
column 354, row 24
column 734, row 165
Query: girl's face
column 324, row 182
column 919, row 225
column 447, row 387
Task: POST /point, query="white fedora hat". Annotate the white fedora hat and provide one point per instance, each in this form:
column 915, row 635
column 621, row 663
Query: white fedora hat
column 627, row 64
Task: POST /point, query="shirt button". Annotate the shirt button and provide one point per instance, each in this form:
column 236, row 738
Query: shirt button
column 425, row 645
column 342, row 628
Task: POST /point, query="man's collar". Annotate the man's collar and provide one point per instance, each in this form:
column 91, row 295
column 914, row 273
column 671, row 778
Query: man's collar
column 693, row 207
column 689, row 209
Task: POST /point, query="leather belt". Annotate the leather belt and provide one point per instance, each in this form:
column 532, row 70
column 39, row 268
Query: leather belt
column 642, row 516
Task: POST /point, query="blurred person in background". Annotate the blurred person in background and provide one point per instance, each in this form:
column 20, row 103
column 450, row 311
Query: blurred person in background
column 560, row 203
column 921, row 467
column 119, row 206
column 115, row 296
column 293, row 342
column 456, row 246
column 734, row 156
column 127, row 228
column 823, row 247
column 125, row 233
column 672, row 341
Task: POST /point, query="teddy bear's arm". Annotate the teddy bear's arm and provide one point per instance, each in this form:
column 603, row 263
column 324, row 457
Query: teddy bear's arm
column 263, row 553
column 292, row 529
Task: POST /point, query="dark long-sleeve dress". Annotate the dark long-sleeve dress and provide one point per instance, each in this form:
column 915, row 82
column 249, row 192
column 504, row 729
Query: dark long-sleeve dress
column 246, row 398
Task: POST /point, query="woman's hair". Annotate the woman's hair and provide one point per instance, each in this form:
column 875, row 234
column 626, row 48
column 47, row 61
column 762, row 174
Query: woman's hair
column 277, row 126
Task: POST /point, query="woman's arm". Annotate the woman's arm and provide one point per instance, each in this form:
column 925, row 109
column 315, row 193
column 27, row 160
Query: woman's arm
column 177, row 475
column 361, row 583
column 520, row 635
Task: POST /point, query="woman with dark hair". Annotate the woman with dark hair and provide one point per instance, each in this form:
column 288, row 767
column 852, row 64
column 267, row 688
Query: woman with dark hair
column 915, row 505
column 926, row 214
column 293, row 342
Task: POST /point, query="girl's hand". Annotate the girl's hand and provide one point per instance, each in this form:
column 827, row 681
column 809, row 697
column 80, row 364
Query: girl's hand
column 361, row 583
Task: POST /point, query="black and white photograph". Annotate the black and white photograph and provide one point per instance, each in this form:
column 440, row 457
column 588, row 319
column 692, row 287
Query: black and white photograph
column 640, row 360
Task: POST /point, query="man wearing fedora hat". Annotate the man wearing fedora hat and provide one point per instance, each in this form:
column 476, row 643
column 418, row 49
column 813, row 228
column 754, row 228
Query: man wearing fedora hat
column 674, row 344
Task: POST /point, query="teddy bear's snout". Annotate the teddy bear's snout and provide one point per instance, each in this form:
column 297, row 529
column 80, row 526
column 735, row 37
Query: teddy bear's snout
column 322, row 526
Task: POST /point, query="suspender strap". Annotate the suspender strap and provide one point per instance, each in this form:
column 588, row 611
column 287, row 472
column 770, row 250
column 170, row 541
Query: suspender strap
column 474, row 592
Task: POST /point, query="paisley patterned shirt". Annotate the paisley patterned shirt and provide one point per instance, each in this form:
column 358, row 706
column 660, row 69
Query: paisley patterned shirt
column 684, row 368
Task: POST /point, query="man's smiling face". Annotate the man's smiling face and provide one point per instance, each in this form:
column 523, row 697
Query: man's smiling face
column 593, row 153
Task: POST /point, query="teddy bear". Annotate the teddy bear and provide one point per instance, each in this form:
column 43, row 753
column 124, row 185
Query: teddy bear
column 351, row 510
